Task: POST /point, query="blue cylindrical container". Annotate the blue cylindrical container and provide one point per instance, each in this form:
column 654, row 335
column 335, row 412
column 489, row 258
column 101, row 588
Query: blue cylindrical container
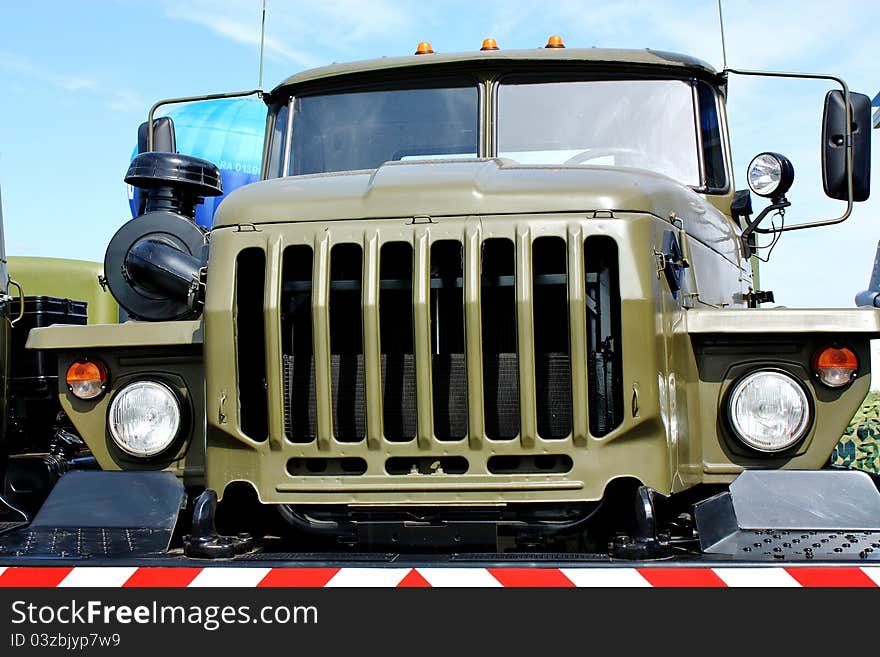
column 227, row 132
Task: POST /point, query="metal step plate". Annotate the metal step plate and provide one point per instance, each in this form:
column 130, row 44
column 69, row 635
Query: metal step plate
column 793, row 515
column 102, row 514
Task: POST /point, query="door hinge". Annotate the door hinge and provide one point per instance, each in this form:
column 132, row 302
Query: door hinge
column 670, row 262
column 754, row 298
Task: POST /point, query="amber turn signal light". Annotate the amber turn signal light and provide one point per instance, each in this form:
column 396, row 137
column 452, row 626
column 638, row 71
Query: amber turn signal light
column 424, row 48
column 555, row 42
column 489, row 44
column 87, row 379
column 835, row 366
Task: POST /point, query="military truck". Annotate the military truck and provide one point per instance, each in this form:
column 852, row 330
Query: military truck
column 495, row 300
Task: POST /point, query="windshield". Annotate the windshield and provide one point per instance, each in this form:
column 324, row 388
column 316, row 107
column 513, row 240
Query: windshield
column 647, row 124
column 362, row 130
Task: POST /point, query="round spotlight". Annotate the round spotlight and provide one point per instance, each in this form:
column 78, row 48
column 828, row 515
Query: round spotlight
column 770, row 174
column 769, row 410
column 144, row 418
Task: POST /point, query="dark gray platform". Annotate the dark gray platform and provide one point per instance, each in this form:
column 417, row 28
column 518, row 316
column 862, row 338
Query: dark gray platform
column 789, row 514
column 102, row 514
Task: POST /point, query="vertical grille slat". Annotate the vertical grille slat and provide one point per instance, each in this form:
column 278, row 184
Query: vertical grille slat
column 578, row 337
column 422, row 315
column 473, row 330
column 372, row 357
column 273, row 336
column 321, row 332
column 525, row 338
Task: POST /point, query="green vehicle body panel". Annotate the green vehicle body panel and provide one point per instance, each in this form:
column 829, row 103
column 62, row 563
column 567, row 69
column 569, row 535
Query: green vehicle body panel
column 680, row 353
column 170, row 351
column 477, row 188
column 66, row 279
column 117, row 336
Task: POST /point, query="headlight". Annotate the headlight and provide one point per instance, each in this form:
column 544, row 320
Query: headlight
column 144, row 418
column 769, row 410
column 770, row 174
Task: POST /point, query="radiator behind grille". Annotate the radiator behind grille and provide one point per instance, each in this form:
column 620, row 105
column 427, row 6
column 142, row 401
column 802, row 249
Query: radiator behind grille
column 400, row 407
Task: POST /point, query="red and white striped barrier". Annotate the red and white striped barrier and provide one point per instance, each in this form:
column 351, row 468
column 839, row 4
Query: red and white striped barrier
column 756, row 576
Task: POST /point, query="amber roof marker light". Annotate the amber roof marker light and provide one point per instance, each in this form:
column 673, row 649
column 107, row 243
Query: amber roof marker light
column 424, row 48
column 489, row 44
column 555, row 41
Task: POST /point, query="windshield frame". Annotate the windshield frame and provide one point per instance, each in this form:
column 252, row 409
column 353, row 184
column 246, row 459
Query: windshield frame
column 488, row 83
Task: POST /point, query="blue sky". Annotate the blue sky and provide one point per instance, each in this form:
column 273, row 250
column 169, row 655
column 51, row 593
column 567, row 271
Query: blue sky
column 76, row 78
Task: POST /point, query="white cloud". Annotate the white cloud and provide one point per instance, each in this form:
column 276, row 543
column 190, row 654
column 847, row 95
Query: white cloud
column 295, row 32
column 70, row 83
column 126, row 100
column 75, row 83
column 23, row 67
column 240, row 31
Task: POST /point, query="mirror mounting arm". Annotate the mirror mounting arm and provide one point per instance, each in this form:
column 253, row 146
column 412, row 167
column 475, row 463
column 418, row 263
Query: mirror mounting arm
column 188, row 99
column 725, row 74
column 779, row 203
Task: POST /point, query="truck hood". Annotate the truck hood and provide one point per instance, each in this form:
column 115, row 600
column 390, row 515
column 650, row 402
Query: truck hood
column 463, row 188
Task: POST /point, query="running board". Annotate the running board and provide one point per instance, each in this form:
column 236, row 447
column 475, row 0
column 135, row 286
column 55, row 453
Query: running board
column 92, row 514
column 792, row 515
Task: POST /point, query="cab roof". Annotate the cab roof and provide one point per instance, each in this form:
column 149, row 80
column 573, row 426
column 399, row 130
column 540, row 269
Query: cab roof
column 619, row 58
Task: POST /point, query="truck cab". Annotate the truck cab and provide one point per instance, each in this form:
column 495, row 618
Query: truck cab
column 480, row 296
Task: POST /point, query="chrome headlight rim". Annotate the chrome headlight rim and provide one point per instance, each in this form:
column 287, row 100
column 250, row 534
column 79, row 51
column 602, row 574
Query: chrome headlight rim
column 807, row 425
column 182, row 425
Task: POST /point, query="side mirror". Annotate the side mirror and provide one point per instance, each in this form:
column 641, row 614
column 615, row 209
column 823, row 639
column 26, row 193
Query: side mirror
column 164, row 140
column 834, row 165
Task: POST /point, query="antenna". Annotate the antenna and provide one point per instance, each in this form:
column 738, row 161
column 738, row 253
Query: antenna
column 720, row 22
column 263, row 44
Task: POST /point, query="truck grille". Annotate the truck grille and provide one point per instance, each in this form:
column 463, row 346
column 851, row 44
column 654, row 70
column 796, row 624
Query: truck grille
column 358, row 320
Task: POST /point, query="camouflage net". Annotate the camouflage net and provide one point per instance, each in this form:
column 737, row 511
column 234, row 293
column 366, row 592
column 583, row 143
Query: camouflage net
column 859, row 447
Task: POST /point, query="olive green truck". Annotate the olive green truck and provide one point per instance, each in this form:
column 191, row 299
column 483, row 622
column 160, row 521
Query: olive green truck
column 492, row 301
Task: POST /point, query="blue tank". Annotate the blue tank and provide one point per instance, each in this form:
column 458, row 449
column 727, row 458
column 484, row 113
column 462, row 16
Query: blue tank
column 227, row 132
